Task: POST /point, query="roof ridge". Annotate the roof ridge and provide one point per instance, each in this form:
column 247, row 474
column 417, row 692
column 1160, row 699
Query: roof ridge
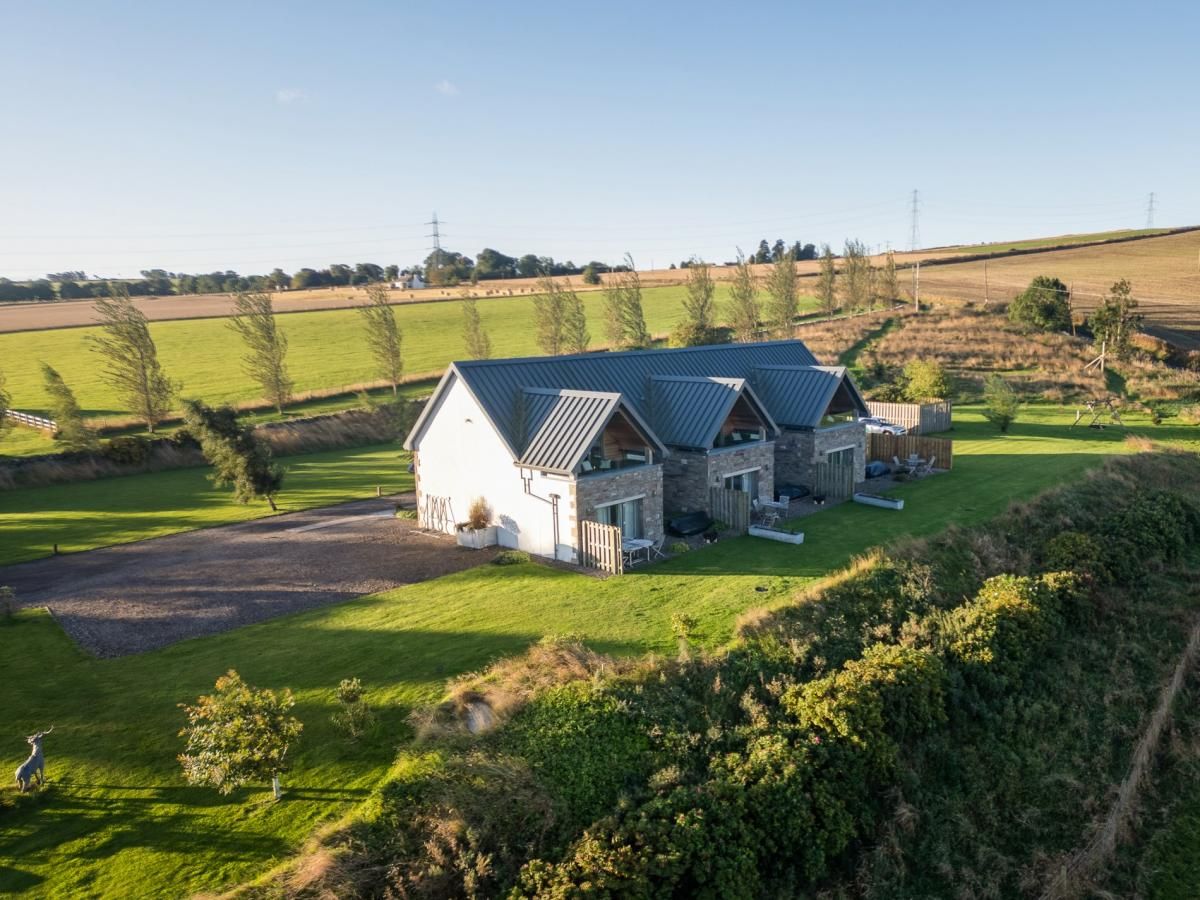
column 609, row 354
column 572, row 392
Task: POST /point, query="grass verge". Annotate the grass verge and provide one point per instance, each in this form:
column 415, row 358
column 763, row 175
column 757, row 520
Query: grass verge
column 107, row 511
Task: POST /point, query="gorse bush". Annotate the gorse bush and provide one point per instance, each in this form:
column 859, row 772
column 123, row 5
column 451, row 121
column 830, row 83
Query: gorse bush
column 754, row 772
column 354, row 717
column 584, row 745
column 992, row 637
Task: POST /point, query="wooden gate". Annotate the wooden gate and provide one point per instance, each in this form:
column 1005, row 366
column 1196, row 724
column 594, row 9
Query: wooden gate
column 600, row 547
column 730, row 507
column 833, row 480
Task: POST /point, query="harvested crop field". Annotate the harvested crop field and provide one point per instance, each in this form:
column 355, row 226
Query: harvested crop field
column 1164, row 272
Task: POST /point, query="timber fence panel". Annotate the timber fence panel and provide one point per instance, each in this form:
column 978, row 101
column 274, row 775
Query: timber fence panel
column 924, row 418
column 730, row 507
column 833, row 480
column 884, row 447
column 600, row 547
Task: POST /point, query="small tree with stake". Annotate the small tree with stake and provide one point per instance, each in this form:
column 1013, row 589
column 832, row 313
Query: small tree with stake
column 1001, row 401
column 238, row 457
column 237, row 735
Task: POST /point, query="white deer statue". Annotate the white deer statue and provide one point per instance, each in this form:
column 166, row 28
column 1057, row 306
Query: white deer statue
column 35, row 766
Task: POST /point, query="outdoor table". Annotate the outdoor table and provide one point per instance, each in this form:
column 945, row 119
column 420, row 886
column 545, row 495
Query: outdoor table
column 631, row 547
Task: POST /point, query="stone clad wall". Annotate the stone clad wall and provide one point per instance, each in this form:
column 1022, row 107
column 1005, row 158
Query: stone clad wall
column 796, row 451
column 688, row 474
column 844, row 435
column 685, row 481
column 591, row 491
column 728, row 460
column 793, row 458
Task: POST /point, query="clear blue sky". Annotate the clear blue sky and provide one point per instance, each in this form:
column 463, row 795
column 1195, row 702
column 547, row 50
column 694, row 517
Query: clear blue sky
column 197, row 136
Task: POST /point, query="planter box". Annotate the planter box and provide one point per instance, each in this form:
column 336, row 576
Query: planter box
column 477, row 539
column 877, row 500
column 771, row 534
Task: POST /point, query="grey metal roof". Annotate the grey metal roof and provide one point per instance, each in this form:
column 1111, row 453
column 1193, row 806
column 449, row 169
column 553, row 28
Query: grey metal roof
column 498, row 383
column 798, row 396
column 689, row 411
column 567, row 424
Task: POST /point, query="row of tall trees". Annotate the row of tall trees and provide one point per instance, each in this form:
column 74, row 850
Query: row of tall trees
column 130, row 365
column 757, row 307
column 777, row 252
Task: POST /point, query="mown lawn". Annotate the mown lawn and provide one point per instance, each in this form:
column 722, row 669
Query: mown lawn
column 109, row 511
column 326, row 348
column 118, row 814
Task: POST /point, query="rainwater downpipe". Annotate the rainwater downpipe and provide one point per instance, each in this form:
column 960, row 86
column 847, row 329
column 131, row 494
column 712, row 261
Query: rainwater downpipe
column 527, row 481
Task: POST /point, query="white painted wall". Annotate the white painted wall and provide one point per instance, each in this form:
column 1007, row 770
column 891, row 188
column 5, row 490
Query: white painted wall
column 459, row 455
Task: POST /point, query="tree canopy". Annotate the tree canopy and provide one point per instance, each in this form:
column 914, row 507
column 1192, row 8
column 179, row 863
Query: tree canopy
column 239, row 458
column 130, row 357
column 1044, row 305
column 238, row 735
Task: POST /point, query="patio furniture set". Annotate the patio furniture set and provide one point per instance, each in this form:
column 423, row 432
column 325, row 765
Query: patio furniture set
column 914, row 465
column 635, row 550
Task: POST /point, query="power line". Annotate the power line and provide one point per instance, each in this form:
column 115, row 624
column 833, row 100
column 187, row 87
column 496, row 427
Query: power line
column 1150, row 211
column 437, row 244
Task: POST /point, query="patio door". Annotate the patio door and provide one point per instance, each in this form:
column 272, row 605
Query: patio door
column 626, row 515
column 744, row 481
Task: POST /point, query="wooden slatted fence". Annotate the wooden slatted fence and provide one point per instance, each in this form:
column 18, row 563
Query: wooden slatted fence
column 730, row 507
column 600, row 547
column 922, row 418
column 885, row 446
column 833, row 480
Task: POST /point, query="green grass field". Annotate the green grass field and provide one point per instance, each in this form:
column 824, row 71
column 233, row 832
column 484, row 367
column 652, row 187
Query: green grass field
column 1062, row 240
column 109, row 511
column 326, row 349
column 117, row 812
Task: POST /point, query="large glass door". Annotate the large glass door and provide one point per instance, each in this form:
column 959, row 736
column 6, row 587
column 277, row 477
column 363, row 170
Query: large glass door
column 745, row 481
column 626, row 515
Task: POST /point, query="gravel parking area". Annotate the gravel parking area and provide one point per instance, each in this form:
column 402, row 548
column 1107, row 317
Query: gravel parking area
column 137, row 597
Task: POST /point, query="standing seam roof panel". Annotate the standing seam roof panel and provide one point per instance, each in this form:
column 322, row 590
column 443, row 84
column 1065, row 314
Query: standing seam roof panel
column 498, row 382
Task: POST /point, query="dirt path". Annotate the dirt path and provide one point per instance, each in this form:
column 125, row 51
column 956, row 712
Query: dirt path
column 136, row 597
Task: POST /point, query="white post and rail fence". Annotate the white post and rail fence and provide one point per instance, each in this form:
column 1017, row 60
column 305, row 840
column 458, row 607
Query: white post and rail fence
column 31, row 421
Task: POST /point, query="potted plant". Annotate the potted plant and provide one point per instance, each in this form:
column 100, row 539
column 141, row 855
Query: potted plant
column 477, row 532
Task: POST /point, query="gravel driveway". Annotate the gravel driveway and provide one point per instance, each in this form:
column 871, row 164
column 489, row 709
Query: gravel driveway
column 137, row 597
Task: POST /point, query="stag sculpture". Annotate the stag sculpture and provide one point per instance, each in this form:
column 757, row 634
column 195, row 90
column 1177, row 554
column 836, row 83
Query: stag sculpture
column 35, row 766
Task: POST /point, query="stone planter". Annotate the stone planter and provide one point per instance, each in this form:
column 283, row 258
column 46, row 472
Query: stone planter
column 878, row 500
column 772, row 534
column 477, row 538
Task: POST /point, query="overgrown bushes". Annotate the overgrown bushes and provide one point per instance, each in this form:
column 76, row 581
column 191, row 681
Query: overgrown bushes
column 754, row 772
